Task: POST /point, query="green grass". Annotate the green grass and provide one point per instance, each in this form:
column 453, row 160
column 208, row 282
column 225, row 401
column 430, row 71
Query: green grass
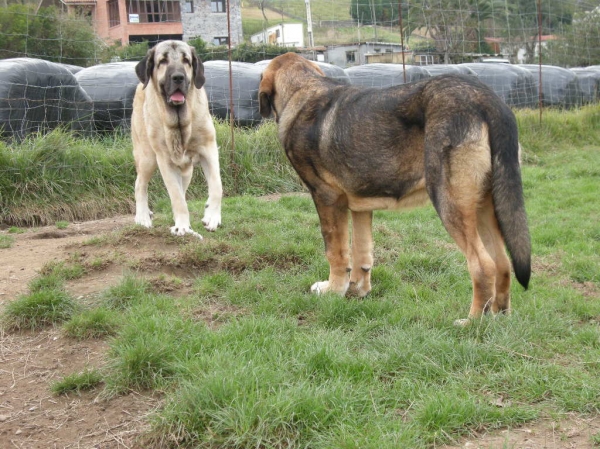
column 57, row 178
column 250, row 358
column 94, row 323
column 295, row 12
column 6, row 241
column 38, row 309
column 77, row 382
column 129, row 291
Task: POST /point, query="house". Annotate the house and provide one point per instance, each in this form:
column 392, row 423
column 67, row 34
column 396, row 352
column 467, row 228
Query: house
column 519, row 50
column 283, row 35
column 359, row 53
column 128, row 21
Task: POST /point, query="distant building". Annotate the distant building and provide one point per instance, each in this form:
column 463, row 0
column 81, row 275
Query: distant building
column 359, row 53
column 283, row 35
column 128, row 21
column 207, row 19
column 519, row 50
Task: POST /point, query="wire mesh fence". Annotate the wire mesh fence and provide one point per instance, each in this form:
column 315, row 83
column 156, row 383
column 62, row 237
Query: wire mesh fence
column 71, row 63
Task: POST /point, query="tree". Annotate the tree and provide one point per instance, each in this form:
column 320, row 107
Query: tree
column 454, row 25
column 377, row 12
column 579, row 44
column 48, row 35
column 241, row 53
column 520, row 23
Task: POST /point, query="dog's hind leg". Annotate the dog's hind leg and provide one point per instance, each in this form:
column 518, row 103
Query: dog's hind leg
column 458, row 182
column 494, row 243
column 461, row 224
column 145, row 167
column 209, row 161
column 334, row 228
column 362, row 253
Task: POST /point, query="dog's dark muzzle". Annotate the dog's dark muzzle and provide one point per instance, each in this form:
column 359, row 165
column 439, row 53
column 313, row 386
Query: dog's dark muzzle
column 176, row 88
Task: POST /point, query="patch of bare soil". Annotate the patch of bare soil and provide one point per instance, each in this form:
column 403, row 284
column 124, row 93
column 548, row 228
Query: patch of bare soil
column 31, row 417
column 572, row 432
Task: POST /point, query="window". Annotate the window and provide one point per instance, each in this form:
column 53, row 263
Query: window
column 217, row 6
column 220, row 40
column 350, row 56
column 425, row 59
column 188, row 6
column 113, row 13
column 150, row 11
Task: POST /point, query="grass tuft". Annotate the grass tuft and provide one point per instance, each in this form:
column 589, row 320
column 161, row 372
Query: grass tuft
column 38, row 309
column 95, row 323
column 77, row 382
column 130, row 290
column 6, row 241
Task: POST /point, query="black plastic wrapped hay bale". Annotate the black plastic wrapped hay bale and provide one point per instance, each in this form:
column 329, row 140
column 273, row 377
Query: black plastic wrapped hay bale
column 38, row 96
column 385, row 75
column 515, row 85
column 560, row 87
column 589, row 83
column 111, row 88
column 246, row 79
column 443, row 69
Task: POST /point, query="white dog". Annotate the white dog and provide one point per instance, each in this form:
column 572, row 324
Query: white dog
column 172, row 129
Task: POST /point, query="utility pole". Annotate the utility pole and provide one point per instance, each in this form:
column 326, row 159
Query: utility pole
column 311, row 41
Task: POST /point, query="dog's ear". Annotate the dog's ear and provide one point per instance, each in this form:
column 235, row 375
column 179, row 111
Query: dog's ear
column 198, row 68
column 265, row 94
column 144, row 68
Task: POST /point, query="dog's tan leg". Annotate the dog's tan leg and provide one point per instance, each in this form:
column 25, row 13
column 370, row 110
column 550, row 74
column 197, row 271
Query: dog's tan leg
column 458, row 183
column 209, row 161
column 362, row 253
column 463, row 229
column 334, row 227
column 494, row 243
column 145, row 165
column 173, row 177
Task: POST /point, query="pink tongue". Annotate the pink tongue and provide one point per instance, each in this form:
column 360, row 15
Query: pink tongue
column 178, row 97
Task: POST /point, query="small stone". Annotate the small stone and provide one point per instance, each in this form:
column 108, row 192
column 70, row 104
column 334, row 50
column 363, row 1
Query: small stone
column 4, row 418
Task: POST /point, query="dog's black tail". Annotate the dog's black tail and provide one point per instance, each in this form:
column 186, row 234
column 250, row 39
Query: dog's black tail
column 507, row 190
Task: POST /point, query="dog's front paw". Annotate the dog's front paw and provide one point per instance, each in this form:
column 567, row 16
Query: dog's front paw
column 183, row 230
column 144, row 220
column 212, row 217
column 211, row 222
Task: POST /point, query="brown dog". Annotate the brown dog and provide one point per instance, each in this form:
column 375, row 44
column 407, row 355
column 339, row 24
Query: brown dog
column 172, row 129
column 448, row 138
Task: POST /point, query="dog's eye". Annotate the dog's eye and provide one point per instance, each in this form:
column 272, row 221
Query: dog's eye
column 186, row 60
column 163, row 61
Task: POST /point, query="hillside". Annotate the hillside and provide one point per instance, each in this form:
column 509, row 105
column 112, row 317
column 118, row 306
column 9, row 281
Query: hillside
column 331, row 21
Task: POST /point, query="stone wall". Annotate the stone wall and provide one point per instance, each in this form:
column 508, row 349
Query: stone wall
column 208, row 25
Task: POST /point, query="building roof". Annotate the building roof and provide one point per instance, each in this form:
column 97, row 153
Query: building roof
column 79, row 2
column 500, row 40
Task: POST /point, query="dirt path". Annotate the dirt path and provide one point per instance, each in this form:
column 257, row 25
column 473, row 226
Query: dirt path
column 31, row 417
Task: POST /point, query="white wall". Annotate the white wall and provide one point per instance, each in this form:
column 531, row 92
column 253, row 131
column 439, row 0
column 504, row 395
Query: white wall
column 286, row 35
